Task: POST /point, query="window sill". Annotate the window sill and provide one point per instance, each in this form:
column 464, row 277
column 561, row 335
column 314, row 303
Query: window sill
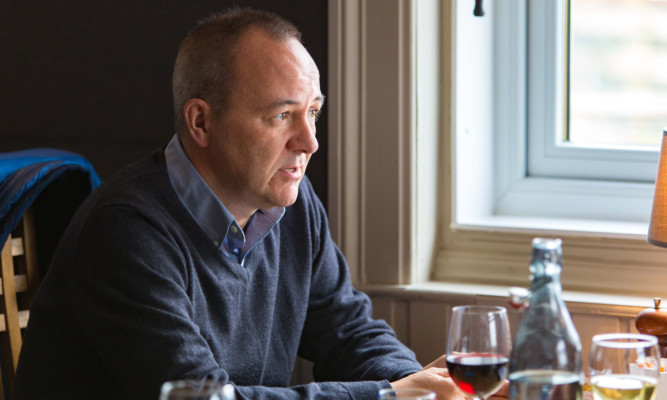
column 577, row 201
column 441, row 291
column 497, row 252
column 631, row 230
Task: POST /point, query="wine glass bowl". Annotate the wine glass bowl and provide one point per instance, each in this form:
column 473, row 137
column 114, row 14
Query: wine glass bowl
column 478, row 349
column 624, row 366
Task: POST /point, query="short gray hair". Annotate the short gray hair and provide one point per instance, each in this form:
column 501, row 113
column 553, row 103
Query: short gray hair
column 204, row 66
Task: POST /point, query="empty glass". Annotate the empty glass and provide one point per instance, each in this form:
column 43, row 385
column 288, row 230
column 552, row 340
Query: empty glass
column 193, row 389
column 406, row 394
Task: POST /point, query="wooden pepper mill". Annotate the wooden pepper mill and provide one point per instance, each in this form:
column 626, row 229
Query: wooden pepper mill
column 653, row 321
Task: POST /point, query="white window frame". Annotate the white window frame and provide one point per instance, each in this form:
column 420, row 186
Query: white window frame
column 413, row 198
column 604, row 240
column 564, row 181
column 548, row 155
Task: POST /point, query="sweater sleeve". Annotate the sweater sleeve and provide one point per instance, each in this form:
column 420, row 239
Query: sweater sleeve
column 340, row 336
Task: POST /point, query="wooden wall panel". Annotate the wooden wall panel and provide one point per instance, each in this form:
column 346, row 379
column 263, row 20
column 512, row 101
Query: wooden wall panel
column 382, row 309
column 428, row 329
column 401, row 320
column 591, row 325
column 396, row 313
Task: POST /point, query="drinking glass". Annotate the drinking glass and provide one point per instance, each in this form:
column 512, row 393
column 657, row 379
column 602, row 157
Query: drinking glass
column 406, row 394
column 196, row 389
column 624, row 366
column 478, row 349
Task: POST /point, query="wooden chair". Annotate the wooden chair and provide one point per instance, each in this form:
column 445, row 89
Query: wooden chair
column 19, row 277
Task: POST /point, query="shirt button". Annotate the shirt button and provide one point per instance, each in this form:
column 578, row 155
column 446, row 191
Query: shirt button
column 234, row 229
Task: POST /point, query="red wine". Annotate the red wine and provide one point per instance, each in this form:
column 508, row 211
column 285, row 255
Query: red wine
column 478, row 374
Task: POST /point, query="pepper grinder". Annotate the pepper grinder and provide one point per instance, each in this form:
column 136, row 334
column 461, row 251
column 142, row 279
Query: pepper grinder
column 653, row 321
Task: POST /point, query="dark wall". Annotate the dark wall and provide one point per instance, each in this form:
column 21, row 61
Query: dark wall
column 94, row 77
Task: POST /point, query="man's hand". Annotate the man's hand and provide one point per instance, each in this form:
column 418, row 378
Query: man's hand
column 435, row 377
column 432, row 378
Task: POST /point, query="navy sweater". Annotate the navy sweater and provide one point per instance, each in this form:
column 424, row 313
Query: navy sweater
column 137, row 295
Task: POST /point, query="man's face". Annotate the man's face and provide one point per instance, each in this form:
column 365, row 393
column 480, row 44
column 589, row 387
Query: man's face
column 260, row 146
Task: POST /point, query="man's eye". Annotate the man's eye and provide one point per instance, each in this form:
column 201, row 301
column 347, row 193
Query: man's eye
column 281, row 117
column 314, row 114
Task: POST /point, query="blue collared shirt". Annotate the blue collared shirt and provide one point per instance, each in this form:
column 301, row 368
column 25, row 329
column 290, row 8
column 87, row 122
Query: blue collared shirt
column 209, row 212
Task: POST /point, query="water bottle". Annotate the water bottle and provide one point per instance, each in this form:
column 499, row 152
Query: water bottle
column 546, row 353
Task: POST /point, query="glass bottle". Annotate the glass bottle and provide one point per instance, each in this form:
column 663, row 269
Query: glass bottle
column 546, row 354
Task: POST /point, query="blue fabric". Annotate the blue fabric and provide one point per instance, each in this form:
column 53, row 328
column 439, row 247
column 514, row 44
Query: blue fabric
column 25, row 174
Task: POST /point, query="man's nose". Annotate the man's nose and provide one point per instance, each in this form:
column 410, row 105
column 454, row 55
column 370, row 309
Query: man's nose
column 304, row 136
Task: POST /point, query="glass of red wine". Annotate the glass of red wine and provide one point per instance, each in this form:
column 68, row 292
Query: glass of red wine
column 478, row 349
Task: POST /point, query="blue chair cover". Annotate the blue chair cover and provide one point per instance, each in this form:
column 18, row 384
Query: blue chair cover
column 25, row 174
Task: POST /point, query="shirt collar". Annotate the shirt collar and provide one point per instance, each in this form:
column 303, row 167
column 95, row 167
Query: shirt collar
column 209, row 212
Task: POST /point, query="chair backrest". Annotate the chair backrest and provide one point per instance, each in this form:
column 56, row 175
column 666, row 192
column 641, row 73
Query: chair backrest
column 19, row 277
column 51, row 183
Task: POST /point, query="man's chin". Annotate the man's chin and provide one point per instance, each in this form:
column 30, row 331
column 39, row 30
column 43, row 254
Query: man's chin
column 288, row 202
column 286, row 198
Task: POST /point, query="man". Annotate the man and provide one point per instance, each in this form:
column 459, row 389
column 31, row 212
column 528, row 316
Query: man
column 212, row 258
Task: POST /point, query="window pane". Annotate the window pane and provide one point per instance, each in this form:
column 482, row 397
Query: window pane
column 617, row 72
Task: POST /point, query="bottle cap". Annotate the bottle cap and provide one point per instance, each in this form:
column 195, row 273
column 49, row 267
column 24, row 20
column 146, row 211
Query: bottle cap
column 519, row 297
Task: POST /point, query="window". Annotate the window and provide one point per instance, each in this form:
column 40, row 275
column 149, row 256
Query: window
column 516, row 175
column 537, row 172
column 616, row 77
column 594, row 106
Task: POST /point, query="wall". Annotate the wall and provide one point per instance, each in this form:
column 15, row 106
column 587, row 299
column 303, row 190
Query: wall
column 95, row 77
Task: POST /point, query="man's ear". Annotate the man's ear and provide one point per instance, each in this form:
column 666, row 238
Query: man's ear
column 197, row 113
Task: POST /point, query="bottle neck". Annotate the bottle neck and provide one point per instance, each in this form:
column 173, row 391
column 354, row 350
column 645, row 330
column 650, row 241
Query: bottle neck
column 545, row 286
column 545, row 267
column 541, row 280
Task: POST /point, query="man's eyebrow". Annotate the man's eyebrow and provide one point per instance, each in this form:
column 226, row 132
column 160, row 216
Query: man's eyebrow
column 291, row 102
column 281, row 103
